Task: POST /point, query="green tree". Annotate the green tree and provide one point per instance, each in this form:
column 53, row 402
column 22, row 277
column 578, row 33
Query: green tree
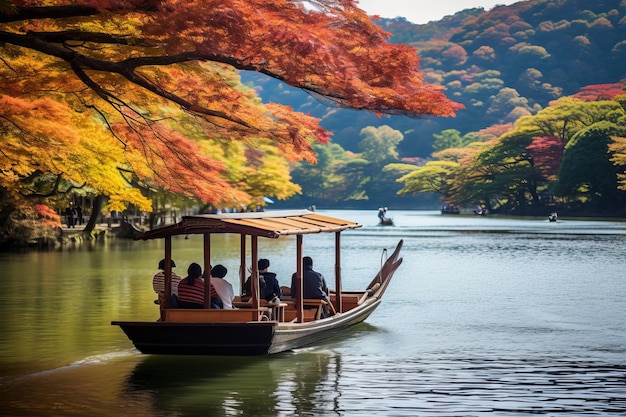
column 449, row 138
column 566, row 116
column 379, row 148
column 433, row 177
column 503, row 174
column 344, row 176
column 326, row 179
column 587, row 174
column 378, row 145
column 618, row 151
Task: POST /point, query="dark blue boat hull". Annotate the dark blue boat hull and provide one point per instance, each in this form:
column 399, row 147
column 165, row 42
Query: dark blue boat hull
column 238, row 339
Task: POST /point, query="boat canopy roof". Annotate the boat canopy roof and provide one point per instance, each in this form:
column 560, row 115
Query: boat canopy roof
column 271, row 224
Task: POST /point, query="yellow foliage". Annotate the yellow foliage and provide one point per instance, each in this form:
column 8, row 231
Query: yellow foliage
column 618, row 149
column 130, row 96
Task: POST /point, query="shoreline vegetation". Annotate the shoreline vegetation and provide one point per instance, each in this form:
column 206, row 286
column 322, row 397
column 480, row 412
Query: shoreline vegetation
column 73, row 237
column 66, row 237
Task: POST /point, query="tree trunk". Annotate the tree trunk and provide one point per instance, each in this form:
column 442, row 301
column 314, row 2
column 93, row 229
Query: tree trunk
column 96, row 210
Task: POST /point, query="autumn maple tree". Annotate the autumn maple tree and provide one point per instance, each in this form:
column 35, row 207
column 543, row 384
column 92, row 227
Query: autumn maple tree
column 120, row 96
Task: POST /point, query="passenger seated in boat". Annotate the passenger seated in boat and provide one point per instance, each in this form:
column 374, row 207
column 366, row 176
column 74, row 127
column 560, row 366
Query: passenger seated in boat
column 191, row 290
column 269, row 287
column 158, row 282
column 223, row 288
column 314, row 284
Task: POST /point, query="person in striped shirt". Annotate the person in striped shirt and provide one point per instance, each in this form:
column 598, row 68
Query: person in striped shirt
column 158, row 282
column 191, row 289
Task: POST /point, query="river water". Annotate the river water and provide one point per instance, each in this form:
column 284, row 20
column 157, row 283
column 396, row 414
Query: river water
column 486, row 316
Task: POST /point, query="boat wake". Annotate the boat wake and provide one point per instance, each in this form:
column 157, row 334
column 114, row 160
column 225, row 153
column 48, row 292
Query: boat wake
column 90, row 360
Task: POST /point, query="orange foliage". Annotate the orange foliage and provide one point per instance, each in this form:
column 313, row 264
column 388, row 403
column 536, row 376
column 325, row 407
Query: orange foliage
column 131, row 88
column 334, row 51
column 175, row 164
column 601, row 91
column 47, row 216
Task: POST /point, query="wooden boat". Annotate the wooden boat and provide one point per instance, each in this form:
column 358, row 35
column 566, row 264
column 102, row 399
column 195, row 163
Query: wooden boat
column 257, row 327
column 450, row 209
column 387, row 221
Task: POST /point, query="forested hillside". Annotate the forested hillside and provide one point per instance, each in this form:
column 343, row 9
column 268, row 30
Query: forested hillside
column 501, row 64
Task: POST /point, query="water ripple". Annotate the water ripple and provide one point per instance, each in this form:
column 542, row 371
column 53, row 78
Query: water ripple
column 477, row 387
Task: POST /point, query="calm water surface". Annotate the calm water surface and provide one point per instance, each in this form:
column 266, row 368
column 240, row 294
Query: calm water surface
column 486, row 316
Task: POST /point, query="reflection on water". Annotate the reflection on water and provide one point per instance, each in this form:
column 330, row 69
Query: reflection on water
column 288, row 384
column 323, row 381
column 295, row 384
column 485, row 316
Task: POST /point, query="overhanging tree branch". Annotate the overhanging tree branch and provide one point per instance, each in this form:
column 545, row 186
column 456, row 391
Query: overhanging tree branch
column 82, row 36
column 126, row 68
column 48, row 12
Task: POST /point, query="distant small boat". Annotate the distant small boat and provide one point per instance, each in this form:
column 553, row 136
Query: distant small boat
column 384, row 220
column 450, row 210
column 553, row 217
column 387, row 221
column 480, row 211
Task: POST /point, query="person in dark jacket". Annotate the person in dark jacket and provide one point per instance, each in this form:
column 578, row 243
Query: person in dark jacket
column 269, row 287
column 313, row 285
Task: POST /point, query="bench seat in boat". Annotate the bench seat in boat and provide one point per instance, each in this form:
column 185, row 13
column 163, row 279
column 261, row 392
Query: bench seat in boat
column 193, row 315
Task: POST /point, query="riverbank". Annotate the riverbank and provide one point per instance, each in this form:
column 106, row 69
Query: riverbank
column 77, row 233
column 70, row 237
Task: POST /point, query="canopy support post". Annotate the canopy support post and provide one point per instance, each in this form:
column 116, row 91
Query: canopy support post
column 242, row 262
column 168, row 272
column 338, row 282
column 299, row 280
column 207, row 270
column 254, row 276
